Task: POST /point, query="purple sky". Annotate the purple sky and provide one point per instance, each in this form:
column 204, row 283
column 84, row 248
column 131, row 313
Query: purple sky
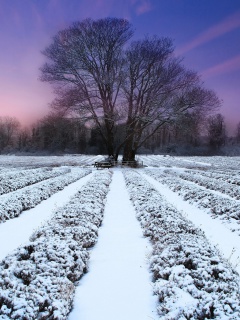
column 205, row 32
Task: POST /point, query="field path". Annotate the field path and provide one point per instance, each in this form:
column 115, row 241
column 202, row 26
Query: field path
column 17, row 231
column 118, row 284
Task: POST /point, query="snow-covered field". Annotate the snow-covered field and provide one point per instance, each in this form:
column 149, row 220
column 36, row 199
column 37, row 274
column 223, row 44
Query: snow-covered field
column 159, row 242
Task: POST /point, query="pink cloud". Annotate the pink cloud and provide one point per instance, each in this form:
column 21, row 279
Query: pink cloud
column 227, row 66
column 143, row 7
column 230, row 23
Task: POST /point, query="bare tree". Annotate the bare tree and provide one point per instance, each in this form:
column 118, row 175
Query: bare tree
column 138, row 89
column 238, row 133
column 9, row 128
column 24, row 139
column 158, row 89
column 216, row 131
column 57, row 133
column 86, row 63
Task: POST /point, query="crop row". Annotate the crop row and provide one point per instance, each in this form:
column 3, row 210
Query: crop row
column 220, row 162
column 212, row 184
column 170, row 161
column 222, row 207
column 191, row 280
column 20, row 179
column 13, row 204
column 229, row 176
column 37, row 280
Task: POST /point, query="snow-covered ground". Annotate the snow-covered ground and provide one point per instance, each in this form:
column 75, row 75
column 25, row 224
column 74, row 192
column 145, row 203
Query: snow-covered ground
column 217, row 233
column 18, row 231
column 188, row 207
column 12, row 161
column 14, row 203
column 192, row 280
column 37, row 278
column 118, row 284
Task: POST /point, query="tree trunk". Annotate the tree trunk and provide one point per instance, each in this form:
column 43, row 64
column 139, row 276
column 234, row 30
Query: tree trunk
column 128, row 152
column 110, row 143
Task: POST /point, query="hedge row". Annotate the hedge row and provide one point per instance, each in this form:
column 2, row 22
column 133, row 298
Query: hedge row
column 212, row 184
column 37, row 280
column 191, row 279
column 13, row 204
column 12, row 181
column 229, row 176
column 219, row 206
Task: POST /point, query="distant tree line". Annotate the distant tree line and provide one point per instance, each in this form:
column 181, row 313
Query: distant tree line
column 56, row 134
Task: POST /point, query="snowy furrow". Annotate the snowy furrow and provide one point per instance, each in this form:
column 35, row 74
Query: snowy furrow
column 148, row 160
column 218, row 206
column 226, row 241
column 30, row 220
column 229, row 176
column 217, row 161
column 170, row 161
column 192, row 280
column 14, row 203
column 7, row 170
column 20, row 179
column 212, row 184
column 118, row 283
column 37, row 280
column 39, row 161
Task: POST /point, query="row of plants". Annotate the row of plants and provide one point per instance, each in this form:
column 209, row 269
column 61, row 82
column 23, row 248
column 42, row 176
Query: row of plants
column 219, row 162
column 191, row 279
column 218, row 206
column 229, row 176
column 38, row 279
column 13, row 204
column 170, row 161
column 212, row 183
column 19, row 179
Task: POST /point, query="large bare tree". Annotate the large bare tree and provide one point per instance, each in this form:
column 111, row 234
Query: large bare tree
column 157, row 90
column 138, row 88
column 85, row 63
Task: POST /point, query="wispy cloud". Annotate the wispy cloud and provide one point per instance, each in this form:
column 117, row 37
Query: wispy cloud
column 143, row 6
column 37, row 18
column 230, row 23
column 227, row 66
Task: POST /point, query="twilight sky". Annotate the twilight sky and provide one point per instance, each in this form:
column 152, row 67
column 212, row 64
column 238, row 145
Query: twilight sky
column 205, row 32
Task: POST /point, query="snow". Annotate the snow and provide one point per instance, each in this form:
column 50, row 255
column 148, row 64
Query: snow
column 11, row 181
column 17, row 231
column 37, row 279
column 178, row 275
column 184, row 258
column 217, row 233
column 38, row 161
column 118, row 285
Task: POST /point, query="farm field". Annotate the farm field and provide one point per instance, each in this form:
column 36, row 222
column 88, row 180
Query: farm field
column 158, row 242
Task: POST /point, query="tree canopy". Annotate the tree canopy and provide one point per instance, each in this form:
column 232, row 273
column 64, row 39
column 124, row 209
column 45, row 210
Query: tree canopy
column 111, row 83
